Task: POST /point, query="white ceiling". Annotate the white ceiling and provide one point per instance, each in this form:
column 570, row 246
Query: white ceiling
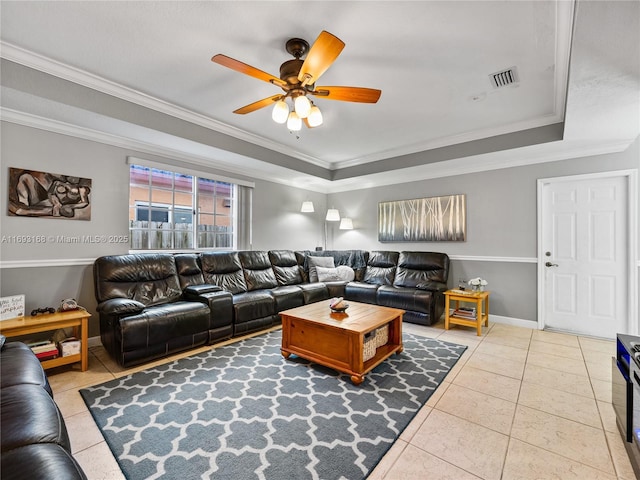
column 431, row 59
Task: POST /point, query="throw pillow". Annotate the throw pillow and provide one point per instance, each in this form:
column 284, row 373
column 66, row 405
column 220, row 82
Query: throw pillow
column 326, row 274
column 341, row 273
column 318, row 262
column 346, row 273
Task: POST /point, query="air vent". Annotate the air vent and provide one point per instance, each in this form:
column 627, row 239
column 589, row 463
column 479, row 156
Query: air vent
column 504, row 78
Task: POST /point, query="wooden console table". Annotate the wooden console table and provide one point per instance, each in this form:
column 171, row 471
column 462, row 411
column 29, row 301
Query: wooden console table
column 77, row 319
column 479, row 299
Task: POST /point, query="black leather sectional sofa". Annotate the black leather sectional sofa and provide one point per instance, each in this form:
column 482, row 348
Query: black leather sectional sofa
column 33, row 436
column 154, row 304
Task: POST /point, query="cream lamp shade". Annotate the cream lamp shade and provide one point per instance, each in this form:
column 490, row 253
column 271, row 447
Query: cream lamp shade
column 333, row 215
column 294, row 123
column 346, row 224
column 307, row 207
column 280, row 112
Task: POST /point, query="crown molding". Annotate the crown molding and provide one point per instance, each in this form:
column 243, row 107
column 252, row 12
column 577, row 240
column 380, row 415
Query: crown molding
column 63, row 128
column 459, row 166
column 81, row 77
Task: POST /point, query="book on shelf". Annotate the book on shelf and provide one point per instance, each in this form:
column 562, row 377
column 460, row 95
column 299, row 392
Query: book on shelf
column 43, row 347
column 464, row 312
column 50, row 355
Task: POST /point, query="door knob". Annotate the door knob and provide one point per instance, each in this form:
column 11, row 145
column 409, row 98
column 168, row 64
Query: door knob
column 549, row 264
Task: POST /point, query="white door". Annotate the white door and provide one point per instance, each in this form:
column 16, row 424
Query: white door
column 583, row 256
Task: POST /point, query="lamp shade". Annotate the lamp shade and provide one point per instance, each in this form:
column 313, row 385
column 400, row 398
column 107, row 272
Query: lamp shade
column 294, row 123
column 333, row 215
column 315, row 117
column 346, row 224
column 302, row 106
column 307, row 207
column 280, row 112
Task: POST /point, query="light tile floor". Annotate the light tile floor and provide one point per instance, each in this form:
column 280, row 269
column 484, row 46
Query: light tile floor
column 520, row 404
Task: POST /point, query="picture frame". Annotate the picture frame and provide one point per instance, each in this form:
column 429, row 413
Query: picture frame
column 48, row 195
column 429, row 219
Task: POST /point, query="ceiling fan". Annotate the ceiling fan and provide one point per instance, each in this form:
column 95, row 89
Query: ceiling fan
column 298, row 80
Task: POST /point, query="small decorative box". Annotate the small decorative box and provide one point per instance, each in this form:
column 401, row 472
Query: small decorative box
column 70, row 346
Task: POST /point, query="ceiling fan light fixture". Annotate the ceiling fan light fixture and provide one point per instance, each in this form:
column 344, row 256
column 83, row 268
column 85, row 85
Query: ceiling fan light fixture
column 315, row 117
column 298, row 81
column 280, row 112
column 294, row 123
column 302, row 106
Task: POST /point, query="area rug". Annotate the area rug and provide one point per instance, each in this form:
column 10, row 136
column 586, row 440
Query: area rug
column 242, row 412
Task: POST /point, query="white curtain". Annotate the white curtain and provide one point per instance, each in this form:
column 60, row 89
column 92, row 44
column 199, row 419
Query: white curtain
column 245, row 220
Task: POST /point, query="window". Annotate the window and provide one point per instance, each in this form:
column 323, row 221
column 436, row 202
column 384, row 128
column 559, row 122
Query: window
column 172, row 211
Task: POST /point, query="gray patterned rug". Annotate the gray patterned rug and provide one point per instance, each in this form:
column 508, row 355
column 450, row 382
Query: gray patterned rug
column 243, row 412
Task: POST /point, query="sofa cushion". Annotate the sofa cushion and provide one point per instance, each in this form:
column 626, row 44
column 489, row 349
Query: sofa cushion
column 163, row 323
column 224, row 270
column 361, row 292
column 43, row 460
column 253, row 305
column 151, row 278
column 19, row 365
column 286, row 297
column 381, row 268
column 258, row 273
column 285, row 267
column 418, row 268
column 314, row 292
column 318, row 262
column 29, row 415
column 405, row 298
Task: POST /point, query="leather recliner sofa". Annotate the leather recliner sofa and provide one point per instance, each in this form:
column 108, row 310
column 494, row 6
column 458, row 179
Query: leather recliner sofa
column 33, row 439
column 412, row 281
column 151, row 305
column 145, row 313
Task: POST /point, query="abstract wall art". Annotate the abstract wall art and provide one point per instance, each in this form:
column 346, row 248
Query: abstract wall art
column 48, row 195
column 433, row 219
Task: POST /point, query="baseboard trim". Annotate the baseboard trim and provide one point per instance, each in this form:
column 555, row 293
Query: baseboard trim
column 515, row 322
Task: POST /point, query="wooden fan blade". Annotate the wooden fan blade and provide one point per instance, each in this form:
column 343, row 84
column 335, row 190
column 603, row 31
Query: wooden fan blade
column 322, row 54
column 348, row 94
column 238, row 66
column 252, row 107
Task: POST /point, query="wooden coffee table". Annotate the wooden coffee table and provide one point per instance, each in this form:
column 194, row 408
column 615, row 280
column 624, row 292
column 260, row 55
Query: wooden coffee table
column 336, row 340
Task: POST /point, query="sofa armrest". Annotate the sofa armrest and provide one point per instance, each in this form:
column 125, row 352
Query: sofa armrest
column 196, row 290
column 432, row 286
column 120, row 306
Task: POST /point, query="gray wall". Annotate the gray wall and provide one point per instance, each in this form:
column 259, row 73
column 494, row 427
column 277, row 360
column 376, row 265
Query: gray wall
column 501, row 222
column 501, row 210
column 50, row 271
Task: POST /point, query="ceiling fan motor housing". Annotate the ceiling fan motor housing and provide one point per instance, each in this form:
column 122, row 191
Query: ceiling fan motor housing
column 297, row 47
column 289, row 71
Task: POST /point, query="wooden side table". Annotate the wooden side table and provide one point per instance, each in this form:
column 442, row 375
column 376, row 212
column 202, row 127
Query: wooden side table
column 78, row 319
column 481, row 301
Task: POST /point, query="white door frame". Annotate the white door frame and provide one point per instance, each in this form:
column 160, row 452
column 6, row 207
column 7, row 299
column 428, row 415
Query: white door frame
column 631, row 177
